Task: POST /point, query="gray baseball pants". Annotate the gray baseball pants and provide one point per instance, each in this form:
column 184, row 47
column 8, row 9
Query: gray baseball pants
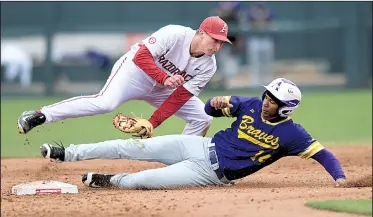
column 187, row 158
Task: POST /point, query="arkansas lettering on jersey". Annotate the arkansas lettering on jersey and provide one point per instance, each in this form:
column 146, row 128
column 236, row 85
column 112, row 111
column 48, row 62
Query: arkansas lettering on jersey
column 253, row 143
column 172, row 69
column 170, row 47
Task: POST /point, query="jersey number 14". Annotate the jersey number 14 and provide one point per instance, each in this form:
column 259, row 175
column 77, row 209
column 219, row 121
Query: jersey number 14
column 261, row 159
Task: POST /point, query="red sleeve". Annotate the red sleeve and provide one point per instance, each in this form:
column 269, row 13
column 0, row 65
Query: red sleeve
column 172, row 104
column 144, row 60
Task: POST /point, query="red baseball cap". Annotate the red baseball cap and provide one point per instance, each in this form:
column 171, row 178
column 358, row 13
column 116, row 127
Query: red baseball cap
column 216, row 28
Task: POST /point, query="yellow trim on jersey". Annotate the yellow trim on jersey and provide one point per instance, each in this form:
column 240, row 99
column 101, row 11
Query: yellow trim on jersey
column 226, row 111
column 242, row 135
column 311, row 150
column 274, row 124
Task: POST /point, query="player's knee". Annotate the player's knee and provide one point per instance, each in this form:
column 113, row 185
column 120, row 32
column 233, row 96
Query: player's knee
column 203, row 124
column 208, row 123
column 207, row 120
column 203, row 121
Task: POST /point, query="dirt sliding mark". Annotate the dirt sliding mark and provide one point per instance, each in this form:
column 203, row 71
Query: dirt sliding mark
column 278, row 190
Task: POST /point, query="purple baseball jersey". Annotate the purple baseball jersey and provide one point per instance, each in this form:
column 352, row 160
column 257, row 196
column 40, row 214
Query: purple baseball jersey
column 251, row 143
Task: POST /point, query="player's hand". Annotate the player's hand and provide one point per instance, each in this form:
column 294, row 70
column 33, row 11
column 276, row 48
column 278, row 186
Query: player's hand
column 145, row 133
column 174, row 81
column 220, row 102
column 340, row 183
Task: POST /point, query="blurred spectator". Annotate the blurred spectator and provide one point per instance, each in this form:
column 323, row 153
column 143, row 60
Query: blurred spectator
column 229, row 56
column 16, row 62
column 93, row 56
column 100, row 59
column 260, row 44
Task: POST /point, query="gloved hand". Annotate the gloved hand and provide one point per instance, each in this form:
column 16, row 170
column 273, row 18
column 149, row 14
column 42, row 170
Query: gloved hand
column 126, row 124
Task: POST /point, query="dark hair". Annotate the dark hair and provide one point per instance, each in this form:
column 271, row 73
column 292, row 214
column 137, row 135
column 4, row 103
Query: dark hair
column 277, row 101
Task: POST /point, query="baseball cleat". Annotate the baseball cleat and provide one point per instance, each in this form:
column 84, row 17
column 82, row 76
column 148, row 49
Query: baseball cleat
column 95, row 180
column 29, row 120
column 49, row 151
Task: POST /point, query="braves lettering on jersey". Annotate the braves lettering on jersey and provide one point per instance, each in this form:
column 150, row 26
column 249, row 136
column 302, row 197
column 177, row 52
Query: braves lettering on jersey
column 170, row 47
column 253, row 143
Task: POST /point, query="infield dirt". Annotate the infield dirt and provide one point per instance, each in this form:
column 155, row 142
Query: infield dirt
column 280, row 189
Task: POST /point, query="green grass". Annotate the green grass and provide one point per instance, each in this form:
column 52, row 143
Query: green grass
column 337, row 117
column 330, row 117
column 363, row 207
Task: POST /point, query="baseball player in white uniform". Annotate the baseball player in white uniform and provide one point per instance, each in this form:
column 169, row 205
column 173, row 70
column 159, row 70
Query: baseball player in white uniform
column 168, row 70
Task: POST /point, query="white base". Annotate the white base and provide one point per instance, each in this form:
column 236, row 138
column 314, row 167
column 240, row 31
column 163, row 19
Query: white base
column 44, row 187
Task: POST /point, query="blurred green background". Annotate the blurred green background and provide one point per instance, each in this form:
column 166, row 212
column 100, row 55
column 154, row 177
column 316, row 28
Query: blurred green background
column 332, row 117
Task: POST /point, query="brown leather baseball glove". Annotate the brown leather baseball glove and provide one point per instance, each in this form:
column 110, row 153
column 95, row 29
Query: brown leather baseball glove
column 126, row 124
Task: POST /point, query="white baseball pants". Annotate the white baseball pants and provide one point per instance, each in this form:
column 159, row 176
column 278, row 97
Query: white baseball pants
column 127, row 82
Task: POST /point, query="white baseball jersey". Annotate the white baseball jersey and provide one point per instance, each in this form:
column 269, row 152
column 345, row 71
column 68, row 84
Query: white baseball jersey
column 170, row 48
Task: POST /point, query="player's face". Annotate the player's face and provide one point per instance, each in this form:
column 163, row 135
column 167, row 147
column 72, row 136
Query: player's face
column 269, row 107
column 209, row 45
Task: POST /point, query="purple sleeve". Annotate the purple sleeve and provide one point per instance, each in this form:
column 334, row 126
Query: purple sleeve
column 237, row 102
column 330, row 163
column 212, row 111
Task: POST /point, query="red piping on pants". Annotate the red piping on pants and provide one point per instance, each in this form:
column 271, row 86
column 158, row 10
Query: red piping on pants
column 92, row 96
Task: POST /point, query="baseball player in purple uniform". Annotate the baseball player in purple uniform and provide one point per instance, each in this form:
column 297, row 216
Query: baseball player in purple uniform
column 262, row 133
